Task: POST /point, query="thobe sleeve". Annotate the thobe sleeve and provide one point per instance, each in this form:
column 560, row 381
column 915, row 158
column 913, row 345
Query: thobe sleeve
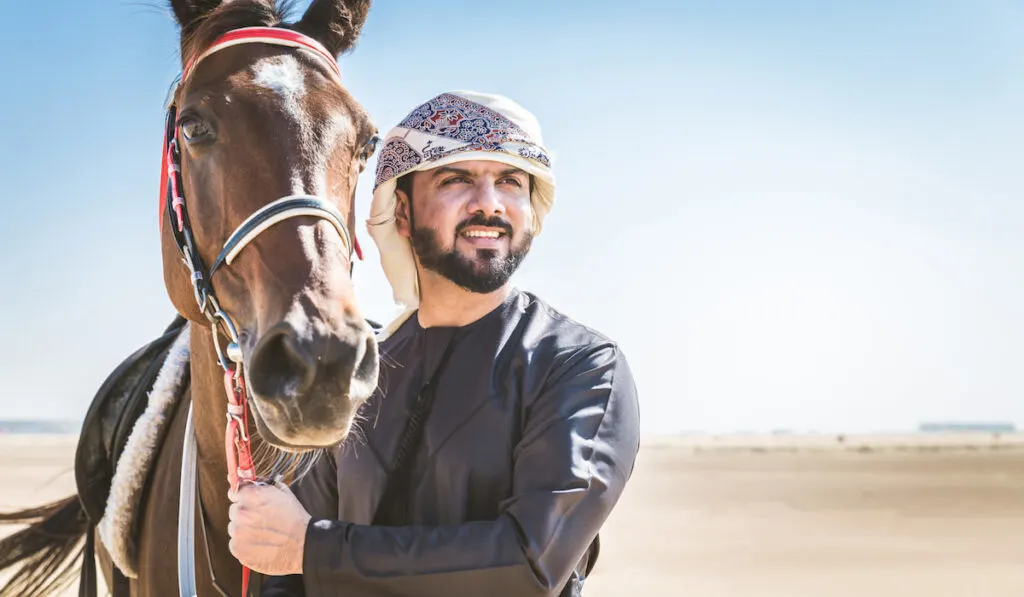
column 578, row 447
column 317, row 491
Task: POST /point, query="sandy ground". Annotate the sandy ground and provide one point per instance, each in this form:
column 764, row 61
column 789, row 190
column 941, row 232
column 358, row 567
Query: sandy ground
column 768, row 516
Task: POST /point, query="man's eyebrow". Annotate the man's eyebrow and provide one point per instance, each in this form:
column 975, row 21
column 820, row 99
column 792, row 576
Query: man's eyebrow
column 441, row 171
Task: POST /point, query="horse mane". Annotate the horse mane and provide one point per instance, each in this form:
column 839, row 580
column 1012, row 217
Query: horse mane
column 202, row 32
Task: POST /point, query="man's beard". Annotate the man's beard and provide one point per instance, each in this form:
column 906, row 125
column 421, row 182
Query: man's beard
column 487, row 273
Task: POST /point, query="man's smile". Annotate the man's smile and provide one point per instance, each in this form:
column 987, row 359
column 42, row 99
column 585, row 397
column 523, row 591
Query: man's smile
column 482, row 237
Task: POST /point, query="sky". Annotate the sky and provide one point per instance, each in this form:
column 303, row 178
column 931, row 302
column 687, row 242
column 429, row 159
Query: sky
column 790, row 215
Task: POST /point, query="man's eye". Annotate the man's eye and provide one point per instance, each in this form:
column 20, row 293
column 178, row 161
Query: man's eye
column 511, row 180
column 454, row 180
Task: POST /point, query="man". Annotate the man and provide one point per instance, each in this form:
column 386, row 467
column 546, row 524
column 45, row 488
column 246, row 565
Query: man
column 502, row 433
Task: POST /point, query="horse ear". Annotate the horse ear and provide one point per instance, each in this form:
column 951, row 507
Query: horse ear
column 189, row 11
column 334, row 23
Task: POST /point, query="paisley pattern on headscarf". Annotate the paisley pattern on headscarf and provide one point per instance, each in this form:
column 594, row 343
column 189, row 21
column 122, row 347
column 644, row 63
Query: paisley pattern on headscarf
column 396, row 158
column 453, row 124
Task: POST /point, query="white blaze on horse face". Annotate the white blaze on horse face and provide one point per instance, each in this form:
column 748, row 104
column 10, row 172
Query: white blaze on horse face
column 284, row 76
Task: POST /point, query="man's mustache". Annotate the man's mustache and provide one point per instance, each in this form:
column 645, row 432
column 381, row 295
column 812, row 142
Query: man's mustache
column 480, row 220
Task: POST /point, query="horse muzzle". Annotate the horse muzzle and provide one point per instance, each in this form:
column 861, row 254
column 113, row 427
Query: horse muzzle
column 307, row 385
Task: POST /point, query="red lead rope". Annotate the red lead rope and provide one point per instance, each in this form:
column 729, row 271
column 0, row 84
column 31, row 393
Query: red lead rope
column 236, row 444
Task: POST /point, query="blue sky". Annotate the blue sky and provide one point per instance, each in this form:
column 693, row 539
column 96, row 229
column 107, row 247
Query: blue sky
column 790, row 215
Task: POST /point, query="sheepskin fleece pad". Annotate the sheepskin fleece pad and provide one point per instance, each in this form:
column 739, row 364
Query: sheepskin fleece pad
column 133, row 467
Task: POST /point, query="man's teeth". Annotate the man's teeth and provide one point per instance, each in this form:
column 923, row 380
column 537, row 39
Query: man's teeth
column 482, row 234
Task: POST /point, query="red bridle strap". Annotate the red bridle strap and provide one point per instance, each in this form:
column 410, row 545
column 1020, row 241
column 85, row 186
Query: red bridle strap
column 237, row 446
column 265, row 35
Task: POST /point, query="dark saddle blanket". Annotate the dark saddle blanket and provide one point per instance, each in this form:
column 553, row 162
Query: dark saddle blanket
column 117, row 406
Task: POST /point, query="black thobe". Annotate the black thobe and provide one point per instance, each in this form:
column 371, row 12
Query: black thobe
column 532, row 436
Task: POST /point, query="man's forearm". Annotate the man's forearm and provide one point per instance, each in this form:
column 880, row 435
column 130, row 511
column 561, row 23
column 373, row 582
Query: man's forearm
column 471, row 558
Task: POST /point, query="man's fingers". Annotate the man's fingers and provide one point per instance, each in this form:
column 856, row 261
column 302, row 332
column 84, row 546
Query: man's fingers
column 241, row 510
column 250, row 495
column 242, row 514
column 262, row 526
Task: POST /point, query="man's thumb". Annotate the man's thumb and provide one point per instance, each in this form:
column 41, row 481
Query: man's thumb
column 280, row 484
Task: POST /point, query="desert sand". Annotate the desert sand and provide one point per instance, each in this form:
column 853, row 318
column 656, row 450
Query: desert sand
column 766, row 516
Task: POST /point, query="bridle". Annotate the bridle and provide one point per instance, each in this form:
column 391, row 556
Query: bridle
column 173, row 207
column 173, row 200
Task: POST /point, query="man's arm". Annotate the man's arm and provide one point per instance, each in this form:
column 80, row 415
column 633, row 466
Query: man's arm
column 318, row 493
column 579, row 444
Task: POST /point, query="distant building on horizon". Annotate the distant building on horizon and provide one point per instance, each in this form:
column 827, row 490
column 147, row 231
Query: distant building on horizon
column 941, row 427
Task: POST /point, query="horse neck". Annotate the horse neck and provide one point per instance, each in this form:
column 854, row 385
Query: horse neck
column 209, row 407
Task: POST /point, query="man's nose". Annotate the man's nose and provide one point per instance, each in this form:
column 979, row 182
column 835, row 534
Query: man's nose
column 486, row 199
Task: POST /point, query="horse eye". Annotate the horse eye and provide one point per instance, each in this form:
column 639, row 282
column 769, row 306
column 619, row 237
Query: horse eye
column 370, row 147
column 194, row 128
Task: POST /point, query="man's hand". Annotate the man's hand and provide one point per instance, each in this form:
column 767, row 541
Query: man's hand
column 267, row 529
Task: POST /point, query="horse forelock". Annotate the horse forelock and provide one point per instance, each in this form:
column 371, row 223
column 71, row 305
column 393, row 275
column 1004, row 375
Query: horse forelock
column 229, row 16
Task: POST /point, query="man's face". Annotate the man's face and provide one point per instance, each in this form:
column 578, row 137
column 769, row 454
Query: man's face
column 470, row 222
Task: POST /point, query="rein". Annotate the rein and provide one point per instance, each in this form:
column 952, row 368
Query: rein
column 237, row 446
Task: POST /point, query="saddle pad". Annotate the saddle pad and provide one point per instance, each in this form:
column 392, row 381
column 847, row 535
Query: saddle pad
column 133, row 466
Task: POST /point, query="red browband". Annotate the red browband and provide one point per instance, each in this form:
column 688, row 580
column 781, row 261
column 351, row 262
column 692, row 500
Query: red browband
column 268, row 35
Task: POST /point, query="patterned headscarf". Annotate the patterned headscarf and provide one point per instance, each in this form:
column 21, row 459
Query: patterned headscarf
column 452, row 127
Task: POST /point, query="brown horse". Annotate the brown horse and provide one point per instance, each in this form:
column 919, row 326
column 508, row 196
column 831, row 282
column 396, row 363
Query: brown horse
column 251, row 124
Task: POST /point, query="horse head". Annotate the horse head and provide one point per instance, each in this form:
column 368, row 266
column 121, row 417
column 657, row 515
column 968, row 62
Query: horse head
column 268, row 145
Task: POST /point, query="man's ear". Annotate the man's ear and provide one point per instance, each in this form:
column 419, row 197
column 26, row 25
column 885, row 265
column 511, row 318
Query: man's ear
column 402, row 213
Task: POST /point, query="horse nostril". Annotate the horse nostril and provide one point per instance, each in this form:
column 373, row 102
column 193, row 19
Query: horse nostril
column 280, row 366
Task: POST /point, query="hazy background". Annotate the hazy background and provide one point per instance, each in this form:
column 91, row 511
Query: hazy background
column 790, row 215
